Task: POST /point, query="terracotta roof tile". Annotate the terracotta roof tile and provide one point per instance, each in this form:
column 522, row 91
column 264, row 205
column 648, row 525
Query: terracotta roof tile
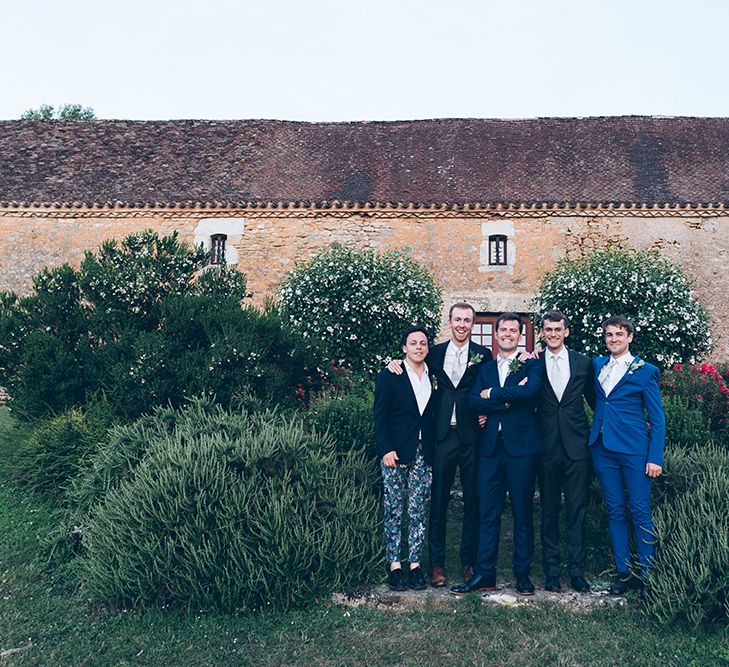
column 564, row 161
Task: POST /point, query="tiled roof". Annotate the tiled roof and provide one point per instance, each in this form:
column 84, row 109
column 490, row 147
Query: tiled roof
column 621, row 160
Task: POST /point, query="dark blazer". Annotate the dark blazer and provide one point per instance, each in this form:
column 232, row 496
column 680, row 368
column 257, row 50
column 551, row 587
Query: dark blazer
column 513, row 406
column 398, row 420
column 565, row 421
column 447, row 395
column 620, row 417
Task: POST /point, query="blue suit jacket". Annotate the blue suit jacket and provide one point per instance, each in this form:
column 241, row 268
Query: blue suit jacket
column 513, row 406
column 621, row 416
column 398, row 420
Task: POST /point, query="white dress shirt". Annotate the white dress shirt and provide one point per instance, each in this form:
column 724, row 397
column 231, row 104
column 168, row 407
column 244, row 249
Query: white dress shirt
column 613, row 372
column 421, row 386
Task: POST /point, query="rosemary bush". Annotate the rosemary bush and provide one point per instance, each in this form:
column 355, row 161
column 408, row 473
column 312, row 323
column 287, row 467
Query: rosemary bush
column 690, row 576
column 204, row 508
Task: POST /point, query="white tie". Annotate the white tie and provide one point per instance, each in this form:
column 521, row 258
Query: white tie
column 608, row 379
column 503, row 370
column 457, row 371
column 558, row 383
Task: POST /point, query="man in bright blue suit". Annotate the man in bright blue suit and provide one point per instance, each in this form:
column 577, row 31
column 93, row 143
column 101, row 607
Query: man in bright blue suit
column 506, row 390
column 625, row 452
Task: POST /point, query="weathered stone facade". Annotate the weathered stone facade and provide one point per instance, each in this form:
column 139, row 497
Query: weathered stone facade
column 269, row 241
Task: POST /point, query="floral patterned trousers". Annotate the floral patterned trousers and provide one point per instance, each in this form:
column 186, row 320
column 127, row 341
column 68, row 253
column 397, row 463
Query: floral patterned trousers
column 414, row 480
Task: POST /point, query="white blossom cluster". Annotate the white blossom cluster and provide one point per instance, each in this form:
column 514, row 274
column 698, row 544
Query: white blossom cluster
column 671, row 326
column 354, row 304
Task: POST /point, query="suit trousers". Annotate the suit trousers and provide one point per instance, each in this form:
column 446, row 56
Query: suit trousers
column 497, row 474
column 561, row 473
column 411, row 479
column 450, row 454
column 618, row 471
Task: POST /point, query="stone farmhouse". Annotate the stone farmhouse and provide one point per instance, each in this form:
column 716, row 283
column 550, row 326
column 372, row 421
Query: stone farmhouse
column 487, row 205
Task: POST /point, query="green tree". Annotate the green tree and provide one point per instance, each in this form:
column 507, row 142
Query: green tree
column 139, row 323
column 354, row 304
column 64, row 112
column 651, row 291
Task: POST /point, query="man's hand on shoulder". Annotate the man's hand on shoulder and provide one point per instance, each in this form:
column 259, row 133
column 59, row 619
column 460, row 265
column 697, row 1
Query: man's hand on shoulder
column 526, row 356
column 395, row 366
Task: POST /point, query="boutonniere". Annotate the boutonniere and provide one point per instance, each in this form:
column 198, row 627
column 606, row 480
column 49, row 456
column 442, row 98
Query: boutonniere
column 475, row 360
column 635, row 366
column 514, row 365
column 433, row 381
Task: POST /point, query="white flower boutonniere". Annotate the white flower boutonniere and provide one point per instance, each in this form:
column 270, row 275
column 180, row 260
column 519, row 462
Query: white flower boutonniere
column 635, row 366
column 433, row 381
column 475, row 359
column 514, row 365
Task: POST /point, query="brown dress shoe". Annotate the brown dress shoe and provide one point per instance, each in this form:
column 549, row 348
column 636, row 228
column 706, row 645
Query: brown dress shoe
column 467, row 572
column 437, row 577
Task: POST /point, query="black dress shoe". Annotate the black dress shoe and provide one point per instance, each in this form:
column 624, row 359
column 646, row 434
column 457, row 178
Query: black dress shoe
column 396, row 580
column 552, row 584
column 619, row 584
column 478, row 582
column 524, row 585
column 417, row 580
column 580, row 584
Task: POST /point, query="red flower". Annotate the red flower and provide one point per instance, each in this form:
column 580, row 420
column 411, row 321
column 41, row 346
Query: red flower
column 677, row 367
column 699, row 398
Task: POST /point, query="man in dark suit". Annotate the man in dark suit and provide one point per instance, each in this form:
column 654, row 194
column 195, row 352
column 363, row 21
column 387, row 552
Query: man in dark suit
column 625, row 453
column 455, row 365
column 565, row 463
column 506, row 390
column 403, row 412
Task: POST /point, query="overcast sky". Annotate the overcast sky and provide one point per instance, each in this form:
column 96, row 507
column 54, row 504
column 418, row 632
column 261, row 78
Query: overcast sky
column 341, row 60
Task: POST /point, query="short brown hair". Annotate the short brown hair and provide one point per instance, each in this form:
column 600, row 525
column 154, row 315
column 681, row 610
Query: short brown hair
column 555, row 316
column 510, row 317
column 618, row 321
column 464, row 305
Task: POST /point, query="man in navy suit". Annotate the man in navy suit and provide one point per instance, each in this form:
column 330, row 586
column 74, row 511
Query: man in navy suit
column 454, row 364
column 403, row 414
column 625, row 453
column 506, row 390
column 565, row 464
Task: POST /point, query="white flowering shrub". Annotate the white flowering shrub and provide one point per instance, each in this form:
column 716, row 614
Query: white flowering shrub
column 354, row 304
column 652, row 292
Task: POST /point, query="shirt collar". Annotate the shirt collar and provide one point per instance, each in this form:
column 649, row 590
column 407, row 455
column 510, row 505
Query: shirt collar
column 562, row 354
column 624, row 360
column 452, row 348
column 412, row 370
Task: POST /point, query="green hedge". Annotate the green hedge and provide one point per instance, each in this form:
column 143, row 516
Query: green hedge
column 205, row 508
column 690, row 577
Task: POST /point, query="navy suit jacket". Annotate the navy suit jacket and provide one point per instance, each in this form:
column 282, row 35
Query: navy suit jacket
column 621, row 416
column 398, row 420
column 513, row 406
column 447, row 395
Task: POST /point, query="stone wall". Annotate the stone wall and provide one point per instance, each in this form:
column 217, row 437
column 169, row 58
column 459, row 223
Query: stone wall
column 452, row 244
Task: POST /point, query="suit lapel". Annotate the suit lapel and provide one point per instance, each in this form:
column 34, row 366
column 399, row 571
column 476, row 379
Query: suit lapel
column 407, row 388
column 547, row 382
column 598, row 370
column 624, row 379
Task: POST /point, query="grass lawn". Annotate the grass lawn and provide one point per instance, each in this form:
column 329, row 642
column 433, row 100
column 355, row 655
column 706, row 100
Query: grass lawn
column 67, row 628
